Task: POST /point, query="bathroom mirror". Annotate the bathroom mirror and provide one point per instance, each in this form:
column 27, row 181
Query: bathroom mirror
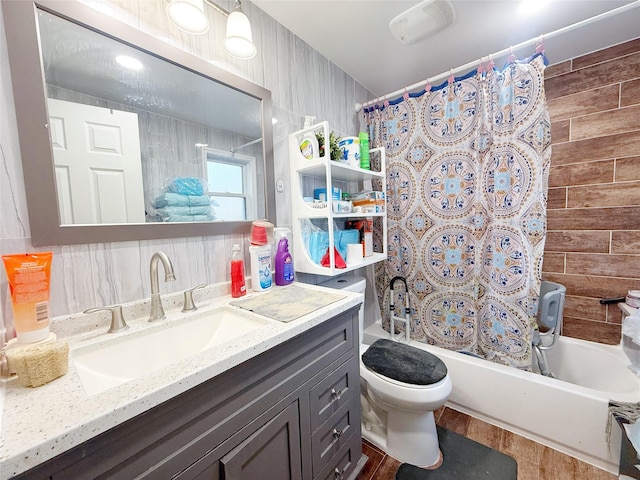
column 126, row 137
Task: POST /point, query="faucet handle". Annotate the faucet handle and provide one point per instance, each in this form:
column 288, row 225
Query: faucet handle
column 189, row 306
column 117, row 319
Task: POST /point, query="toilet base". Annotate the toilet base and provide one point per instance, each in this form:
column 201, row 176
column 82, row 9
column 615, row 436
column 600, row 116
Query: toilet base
column 436, row 465
column 409, row 437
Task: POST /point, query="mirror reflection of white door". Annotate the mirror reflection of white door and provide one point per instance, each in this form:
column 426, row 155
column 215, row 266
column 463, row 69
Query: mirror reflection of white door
column 97, row 162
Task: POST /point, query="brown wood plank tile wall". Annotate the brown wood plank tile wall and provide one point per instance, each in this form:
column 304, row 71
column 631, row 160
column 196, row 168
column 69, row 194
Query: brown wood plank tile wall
column 593, row 241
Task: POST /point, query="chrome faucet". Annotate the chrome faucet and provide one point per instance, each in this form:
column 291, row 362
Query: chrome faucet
column 157, row 312
column 189, row 305
column 118, row 323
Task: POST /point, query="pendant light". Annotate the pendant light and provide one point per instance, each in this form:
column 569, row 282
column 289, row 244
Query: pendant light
column 188, row 15
column 238, row 42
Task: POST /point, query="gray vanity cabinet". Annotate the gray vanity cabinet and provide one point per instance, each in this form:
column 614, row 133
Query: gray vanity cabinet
column 290, row 413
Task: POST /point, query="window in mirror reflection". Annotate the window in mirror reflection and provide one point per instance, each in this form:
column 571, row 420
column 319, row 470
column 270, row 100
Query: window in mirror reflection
column 230, row 184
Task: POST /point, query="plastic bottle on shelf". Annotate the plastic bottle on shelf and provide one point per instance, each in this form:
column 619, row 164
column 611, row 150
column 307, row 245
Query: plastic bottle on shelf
column 364, row 151
column 309, row 145
column 284, row 263
column 238, row 288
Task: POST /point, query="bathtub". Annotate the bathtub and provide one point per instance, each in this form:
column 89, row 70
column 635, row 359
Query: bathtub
column 568, row 413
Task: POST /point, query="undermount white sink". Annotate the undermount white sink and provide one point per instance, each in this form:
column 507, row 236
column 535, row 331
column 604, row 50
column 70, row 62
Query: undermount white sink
column 130, row 356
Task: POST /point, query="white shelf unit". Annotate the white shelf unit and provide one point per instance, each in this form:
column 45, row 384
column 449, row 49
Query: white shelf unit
column 307, row 175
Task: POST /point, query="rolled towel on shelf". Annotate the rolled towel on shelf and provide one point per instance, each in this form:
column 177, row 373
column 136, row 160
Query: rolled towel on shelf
column 179, row 200
column 188, row 218
column 186, row 186
column 197, row 210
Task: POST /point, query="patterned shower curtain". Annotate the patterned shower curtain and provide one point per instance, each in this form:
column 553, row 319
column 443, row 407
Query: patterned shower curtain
column 467, row 171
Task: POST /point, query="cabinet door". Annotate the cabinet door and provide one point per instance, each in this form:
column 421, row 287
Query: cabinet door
column 273, row 452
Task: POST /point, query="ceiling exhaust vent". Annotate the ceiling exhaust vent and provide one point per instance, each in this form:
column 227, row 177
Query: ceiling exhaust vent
column 422, row 21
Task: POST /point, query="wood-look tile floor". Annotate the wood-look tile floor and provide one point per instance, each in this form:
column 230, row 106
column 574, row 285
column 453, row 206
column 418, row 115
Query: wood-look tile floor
column 535, row 461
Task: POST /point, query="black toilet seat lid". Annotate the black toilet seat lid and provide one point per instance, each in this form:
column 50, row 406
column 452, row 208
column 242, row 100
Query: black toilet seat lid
column 404, row 363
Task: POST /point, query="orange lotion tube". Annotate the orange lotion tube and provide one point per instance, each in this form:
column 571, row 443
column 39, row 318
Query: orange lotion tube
column 29, row 276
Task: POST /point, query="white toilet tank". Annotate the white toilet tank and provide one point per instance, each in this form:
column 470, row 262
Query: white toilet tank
column 356, row 284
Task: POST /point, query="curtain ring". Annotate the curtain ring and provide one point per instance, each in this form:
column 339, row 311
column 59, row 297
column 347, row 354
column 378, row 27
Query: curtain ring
column 490, row 65
column 512, row 57
column 451, row 77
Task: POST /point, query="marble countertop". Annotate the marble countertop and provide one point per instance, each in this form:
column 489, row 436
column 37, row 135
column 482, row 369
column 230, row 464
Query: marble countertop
column 40, row 423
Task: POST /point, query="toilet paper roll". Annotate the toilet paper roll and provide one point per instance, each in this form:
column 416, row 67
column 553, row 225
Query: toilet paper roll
column 354, row 253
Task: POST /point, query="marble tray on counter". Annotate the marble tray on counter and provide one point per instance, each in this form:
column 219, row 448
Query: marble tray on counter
column 287, row 303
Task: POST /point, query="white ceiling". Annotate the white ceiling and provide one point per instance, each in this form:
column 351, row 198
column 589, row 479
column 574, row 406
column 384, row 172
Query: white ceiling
column 82, row 60
column 354, row 34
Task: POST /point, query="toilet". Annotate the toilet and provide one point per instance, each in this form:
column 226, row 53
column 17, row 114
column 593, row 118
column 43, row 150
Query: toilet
column 398, row 405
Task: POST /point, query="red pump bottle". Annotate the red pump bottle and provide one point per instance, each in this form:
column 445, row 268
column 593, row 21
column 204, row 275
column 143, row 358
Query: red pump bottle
column 238, row 287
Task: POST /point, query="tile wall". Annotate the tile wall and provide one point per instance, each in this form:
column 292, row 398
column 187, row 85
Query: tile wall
column 302, row 83
column 593, row 241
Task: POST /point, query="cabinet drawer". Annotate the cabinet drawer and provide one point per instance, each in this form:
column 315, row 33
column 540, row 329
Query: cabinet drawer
column 344, row 462
column 335, row 433
column 333, row 391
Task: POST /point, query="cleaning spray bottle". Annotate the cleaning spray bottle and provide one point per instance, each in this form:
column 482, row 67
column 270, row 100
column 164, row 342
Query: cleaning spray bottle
column 284, row 263
column 309, row 145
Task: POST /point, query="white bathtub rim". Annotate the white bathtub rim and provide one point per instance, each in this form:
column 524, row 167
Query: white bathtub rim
column 633, row 396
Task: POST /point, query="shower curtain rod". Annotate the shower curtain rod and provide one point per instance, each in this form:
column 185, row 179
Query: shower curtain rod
column 526, row 43
column 239, row 147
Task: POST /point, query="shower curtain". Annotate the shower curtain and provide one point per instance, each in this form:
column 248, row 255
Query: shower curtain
column 467, row 171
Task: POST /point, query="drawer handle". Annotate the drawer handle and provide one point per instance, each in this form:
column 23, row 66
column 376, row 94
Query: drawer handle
column 338, row 474
column 336, row 394
column 337, row 433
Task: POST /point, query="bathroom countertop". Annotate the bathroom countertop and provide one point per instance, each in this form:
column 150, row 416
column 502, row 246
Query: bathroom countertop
column 40, row 423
